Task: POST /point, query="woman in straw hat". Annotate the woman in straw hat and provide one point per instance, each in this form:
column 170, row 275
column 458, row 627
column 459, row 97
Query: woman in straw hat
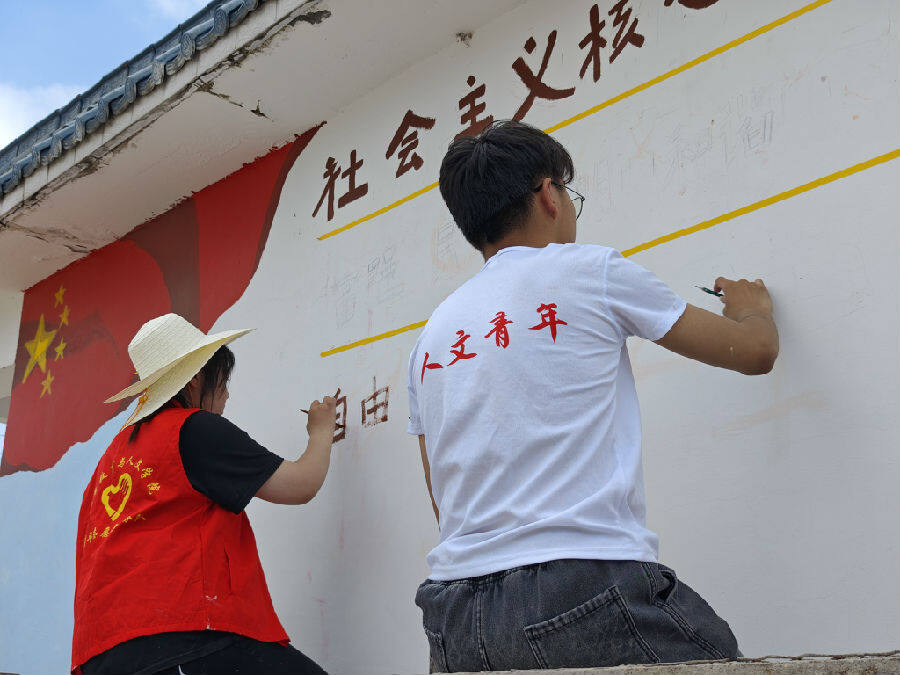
column 168, row 578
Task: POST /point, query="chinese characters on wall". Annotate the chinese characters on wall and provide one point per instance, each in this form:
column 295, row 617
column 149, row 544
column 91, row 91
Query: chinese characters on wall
column 374, row 410
column 612, row 27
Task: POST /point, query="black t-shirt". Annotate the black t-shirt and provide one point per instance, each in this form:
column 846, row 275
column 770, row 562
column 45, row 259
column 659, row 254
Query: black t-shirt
column 224, row 463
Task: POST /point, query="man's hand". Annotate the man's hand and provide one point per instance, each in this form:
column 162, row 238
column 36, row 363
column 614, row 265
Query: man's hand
column 745, row 339
column 744, row 298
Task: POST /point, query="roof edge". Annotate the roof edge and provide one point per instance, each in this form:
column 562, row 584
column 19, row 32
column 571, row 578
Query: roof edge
column 67, row 127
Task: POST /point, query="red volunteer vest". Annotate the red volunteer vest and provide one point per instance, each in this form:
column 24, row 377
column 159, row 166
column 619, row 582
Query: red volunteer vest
column 155, row 555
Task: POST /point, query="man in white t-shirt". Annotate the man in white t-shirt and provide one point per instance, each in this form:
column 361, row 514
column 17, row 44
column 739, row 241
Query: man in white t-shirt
column 523, row 399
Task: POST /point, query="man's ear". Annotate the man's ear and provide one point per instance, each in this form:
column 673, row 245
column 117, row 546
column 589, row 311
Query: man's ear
column 547, row 198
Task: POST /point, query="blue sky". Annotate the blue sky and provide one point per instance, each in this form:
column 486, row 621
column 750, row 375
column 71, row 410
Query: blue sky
column 55, row 49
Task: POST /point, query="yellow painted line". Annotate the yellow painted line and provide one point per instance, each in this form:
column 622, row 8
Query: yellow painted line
column 427, row 188
column 690, row 64
column 615, row 99
column 374, row 338
column 705, row 225
column 781, row 196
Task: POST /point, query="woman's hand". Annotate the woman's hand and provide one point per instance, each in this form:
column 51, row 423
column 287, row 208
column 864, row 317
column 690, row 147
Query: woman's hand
column 321, row 418
column 299, row 481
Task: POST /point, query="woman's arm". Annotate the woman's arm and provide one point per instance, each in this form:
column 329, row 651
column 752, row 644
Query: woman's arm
column 299, row 481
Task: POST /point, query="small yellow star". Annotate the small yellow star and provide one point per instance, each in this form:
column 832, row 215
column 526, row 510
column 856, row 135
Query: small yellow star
column 47, row 381
column 37, row 349
column 64, row 317
column 59, row 349
column 59, row 296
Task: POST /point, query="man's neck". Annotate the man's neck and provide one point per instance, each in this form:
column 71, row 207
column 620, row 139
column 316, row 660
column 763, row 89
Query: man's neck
column 524, row 236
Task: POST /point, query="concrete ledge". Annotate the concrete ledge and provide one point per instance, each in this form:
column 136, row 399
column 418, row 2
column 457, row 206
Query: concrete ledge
column 879, row 664
column 817, row 665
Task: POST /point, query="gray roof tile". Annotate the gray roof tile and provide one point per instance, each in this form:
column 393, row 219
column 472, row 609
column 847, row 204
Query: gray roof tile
column 86, row 113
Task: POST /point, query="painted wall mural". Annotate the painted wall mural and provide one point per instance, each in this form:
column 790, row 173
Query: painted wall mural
column 195, row 260
column 709, row 137
column 703, row 144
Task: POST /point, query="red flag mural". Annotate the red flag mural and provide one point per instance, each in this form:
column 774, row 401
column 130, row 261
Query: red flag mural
column 196, row 260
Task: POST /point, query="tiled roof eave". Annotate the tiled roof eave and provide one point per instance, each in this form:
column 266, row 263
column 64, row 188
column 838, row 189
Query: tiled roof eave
column 61, row 131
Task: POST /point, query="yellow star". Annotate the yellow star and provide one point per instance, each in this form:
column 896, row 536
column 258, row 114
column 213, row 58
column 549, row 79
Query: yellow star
column 59, row 349
column 37, row 348
column 59, row 296
column 64, row 317
column 47, row 381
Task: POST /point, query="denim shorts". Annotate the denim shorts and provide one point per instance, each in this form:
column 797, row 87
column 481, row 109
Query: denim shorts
column 569, row 614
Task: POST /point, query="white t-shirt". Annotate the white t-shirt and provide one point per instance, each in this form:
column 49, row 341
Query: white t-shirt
column 529, row 410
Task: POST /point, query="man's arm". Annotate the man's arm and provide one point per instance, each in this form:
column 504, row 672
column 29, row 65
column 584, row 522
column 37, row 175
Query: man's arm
column 427, row 468
column 745, row 339
column 298, row 482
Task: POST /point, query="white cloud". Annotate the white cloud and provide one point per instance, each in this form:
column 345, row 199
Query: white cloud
column 21, row 108
column 178, row 10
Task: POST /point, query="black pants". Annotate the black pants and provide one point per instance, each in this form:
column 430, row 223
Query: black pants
column 570, row 614
column 250, row 657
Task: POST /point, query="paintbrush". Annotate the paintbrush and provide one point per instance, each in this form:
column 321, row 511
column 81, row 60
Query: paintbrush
column 336, row 395
column 710, row 291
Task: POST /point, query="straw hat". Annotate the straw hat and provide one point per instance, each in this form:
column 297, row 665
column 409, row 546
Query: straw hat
column 167, row 352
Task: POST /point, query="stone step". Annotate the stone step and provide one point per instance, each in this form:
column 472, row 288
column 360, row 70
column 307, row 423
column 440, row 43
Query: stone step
column 838, row 664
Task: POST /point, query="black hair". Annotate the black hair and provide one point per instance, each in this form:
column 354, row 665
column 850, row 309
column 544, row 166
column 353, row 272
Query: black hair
column 487, row 181
column 216, row 374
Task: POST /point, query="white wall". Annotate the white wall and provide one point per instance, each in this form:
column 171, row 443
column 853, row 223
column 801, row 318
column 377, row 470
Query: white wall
column 775, row 496
column 37, row 573
column 10, row 313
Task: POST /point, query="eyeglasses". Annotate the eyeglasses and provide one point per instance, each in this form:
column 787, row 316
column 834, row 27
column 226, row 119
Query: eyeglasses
column 576, row 197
